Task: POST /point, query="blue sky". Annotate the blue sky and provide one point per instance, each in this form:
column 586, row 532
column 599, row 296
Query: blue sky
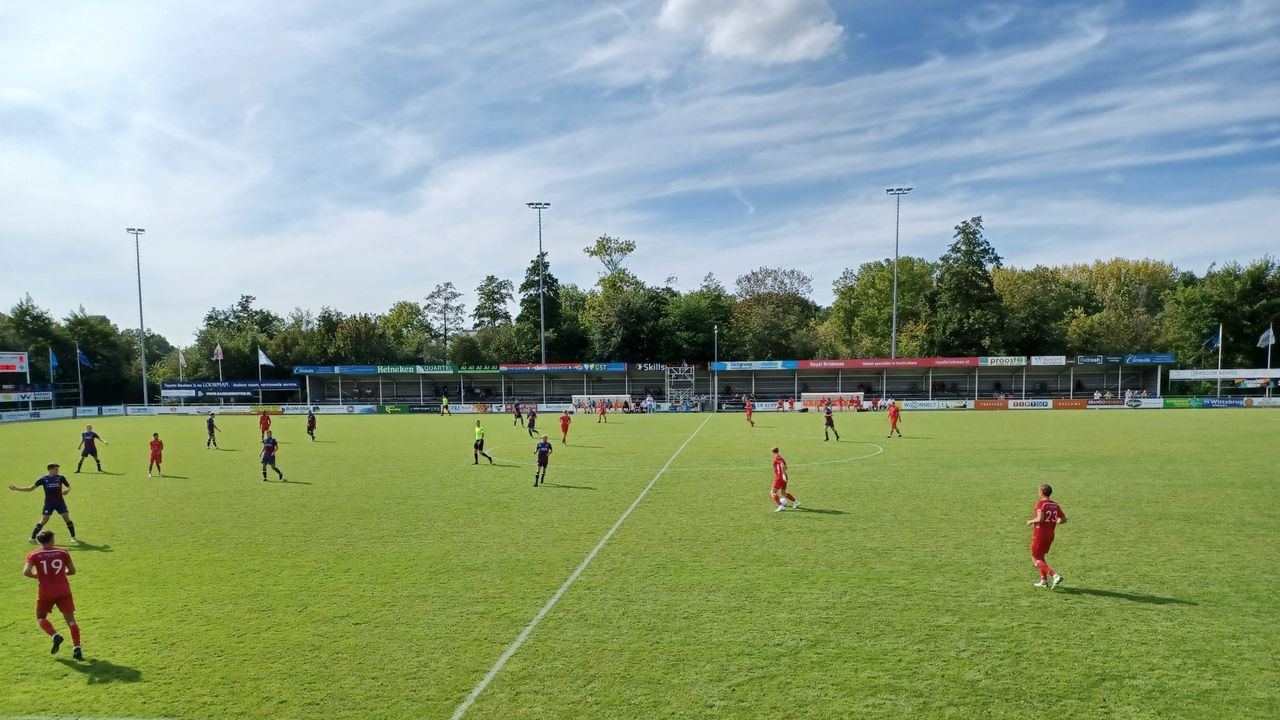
column 357, row 153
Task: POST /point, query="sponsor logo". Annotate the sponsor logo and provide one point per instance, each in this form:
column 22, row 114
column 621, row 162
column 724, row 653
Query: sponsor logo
column 1133, row 402
column 990, row 404
column 1070, row 404
column 648, row 367
column 1002, row 361
column 1223, row 402
column 1030, row 404
column 935, row 404
column 1048, row 360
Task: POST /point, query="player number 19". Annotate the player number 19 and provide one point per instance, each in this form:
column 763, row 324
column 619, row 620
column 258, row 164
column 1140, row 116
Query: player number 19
column 56, row 563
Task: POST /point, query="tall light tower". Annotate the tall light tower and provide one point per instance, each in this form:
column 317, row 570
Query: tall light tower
column 897, row 194
column 542, row 308
column 142, row 327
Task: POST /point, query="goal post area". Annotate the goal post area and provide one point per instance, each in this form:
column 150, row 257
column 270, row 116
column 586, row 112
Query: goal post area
column 592, row 402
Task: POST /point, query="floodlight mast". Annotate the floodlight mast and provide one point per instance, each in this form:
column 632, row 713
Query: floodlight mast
column 897, row 193
column 542, row 310
column 142, row 327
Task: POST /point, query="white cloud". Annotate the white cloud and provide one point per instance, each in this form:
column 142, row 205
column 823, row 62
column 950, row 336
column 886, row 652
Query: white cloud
column 758, row 31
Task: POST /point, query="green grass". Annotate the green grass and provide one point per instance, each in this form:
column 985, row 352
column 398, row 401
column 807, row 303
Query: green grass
column 387, row 577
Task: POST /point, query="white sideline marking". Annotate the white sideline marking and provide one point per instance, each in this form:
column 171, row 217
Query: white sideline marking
column 528, row 629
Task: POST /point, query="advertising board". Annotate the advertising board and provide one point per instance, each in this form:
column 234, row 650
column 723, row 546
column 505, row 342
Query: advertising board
column 1262, row 402
column 1222, row 402
column 1150, row 359
column 17, row 415
column 1002, row 361
column 935, row 404
column 987, row 404
column 1070, row 404
column 88, row 411
column 729, row 366
column 1048, row 360
column 13, row 362
column 112, row 410
column 25, row 396
column 1031, row 404
column 886, row 363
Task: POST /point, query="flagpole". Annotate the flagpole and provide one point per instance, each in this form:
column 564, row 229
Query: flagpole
column 1269, row 346
column 182, row 364
column 79, row 378
column 1219, row 359
column 53, row 384
column 259, row 374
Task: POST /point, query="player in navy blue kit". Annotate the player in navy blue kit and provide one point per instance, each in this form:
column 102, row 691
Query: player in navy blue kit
column 268, row 456
column 56, row 488
column 88, row 446
column 311, row 424
column 828, row 424
column 543, row 451
column 533, row 421
column 519, row 419
column 208, row 425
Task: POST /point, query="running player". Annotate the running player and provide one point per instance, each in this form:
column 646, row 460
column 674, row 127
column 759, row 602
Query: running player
column 543, row 451
column 533, row 421
column 56, row 488
column 51, row 566
column 264, row 424
column 88, row 446
column 1048, row 516
column 601, row 407
column 212, row 428
column 779, row 492
column 894, row 416
column 157, row 455
column 311, row 423
column 478, row 448
column 444, row 405
column 828, row 424
column 564, row 427
column 748, row 404
column 515, row 410
column 268, row 456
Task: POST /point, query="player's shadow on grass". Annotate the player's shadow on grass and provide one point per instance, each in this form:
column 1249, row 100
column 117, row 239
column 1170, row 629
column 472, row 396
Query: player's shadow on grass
column 581, row 445
column 90, row 547
column 100, row 672
column 1132, row 597
column 822, row 511
column 290, row 482
column 103, row 472
column 568, row 487
column 174, row 477
column 227, row 449
column 331, row 442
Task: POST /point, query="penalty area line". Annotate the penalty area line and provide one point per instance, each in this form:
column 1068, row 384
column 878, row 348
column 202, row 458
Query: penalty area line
column 528, row 629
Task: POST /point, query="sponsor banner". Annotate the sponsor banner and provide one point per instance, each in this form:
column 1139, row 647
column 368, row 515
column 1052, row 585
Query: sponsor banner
column 935, row 404
column 886, row 363
column 648, row 367
column 423, row 409
column 324, row 409
column 1222, row 402
column 981, row 404
column 1262, row 402
column 155, row 410
column 87, row 411
column 1002, row 361
column 393, row 409
column 476, row 408
column 1224, row 374
column 1149, row 359
column 1099, row 359
column 1256, row 384
column 224, row 388
column 1031, row 404
column 25, row 396
column 26, row 387
column 729, row 366
column 112, row 410
column 19, row 415
column 1106, row 403
column 335, row 369
column 397, row 369
column 562, row 367
column 1048, row 360
column 1070, row 404
column 13, row 362
column 1147, row 403
column 1182, row 402
column 552, row 407
column 479, row 369
column 431, row 369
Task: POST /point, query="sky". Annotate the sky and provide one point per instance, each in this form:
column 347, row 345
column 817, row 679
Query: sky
column 354, row 154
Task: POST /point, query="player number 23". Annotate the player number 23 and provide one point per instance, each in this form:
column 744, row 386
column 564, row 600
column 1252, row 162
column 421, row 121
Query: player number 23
column 56, row 564
column 1051, row 516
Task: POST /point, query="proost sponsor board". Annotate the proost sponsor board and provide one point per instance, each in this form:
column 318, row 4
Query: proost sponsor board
column 1031, row 404
column 1002, row 361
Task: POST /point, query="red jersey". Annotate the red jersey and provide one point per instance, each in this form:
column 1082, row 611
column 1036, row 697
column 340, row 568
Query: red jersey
column 779, row 467
column 51, row 565
column 157, row 447
column 747, row 405
column 600, row 408
column 264, row 422
column 1050, row 515
column 894, row 412
column 564, row 422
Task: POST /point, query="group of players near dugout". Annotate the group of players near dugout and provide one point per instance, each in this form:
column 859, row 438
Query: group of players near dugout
column 51, row 566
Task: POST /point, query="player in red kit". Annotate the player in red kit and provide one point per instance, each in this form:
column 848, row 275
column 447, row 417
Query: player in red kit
column 747, row 402
column 264, row 424
column 564, row 427
column 1047, row 518
column 894, row 416
column 51, row 566
column 779, row 493
column 600, row 408
column 157, row 455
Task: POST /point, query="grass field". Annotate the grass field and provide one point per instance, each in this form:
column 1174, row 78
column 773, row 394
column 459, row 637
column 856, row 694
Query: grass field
column 389, row 574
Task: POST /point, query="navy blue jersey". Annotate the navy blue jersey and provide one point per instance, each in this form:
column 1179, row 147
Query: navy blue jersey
column 544, row 451
column 311, row 419
column 88, row 437
column 208, row 423
column 52, row 487
column 826, row 411
column 269, row 447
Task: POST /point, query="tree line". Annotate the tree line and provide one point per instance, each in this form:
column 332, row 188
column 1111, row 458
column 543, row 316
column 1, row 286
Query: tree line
column 964, row 303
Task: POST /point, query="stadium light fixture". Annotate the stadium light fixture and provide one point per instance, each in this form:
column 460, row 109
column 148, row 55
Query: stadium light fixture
column 897, row 193
column 542, row 310
column 142, row 327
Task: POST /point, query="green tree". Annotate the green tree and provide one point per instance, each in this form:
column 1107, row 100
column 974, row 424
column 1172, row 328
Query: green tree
column 860, row 322
column 407, row 330
column 773, row 316
column 493, row 296
column 612, row 252
column 443, row 308
column 689, row 321
column 1040, row 304
column 968, row 318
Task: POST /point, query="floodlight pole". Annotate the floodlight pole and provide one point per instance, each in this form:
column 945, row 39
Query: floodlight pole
column 542, row 307
column 142, row 327
column 897, row 194
column 715, row 377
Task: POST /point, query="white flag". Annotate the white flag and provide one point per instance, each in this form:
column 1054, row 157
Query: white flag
column 217, row 352
column 1268, row 338
column 263, row 359
column 182, row 359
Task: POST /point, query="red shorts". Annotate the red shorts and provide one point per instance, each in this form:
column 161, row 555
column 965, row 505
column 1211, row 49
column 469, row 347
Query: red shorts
column 62, row 600
column 155, row 458
column 779, row 484
column 1040, row 548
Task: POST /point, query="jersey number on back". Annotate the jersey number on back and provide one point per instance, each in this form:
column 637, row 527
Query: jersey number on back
column 56, row 563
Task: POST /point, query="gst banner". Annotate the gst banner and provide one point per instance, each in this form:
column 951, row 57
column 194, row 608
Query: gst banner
column 990, row 404
column 1070, row 404
column 1037, row 404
